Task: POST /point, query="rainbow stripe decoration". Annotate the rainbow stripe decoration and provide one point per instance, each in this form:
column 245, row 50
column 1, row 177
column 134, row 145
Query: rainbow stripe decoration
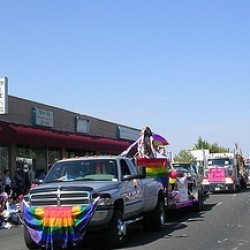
column 62, row 227
column 155, row 168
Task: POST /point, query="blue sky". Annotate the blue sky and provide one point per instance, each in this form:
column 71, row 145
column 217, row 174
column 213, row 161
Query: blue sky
column 181, row 67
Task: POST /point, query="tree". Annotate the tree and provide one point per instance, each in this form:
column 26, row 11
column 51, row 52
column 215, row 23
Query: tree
column 201, row 144
column 213, row 148
column 184, row 156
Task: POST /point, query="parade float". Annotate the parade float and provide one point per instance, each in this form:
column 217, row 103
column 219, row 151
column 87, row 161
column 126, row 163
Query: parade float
column 181, row 190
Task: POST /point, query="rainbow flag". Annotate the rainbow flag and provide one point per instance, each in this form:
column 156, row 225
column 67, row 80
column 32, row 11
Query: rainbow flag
column 155, row 168
column 62, row 227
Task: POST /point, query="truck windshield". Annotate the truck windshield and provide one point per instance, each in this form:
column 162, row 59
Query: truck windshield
column 182, row 165
column 86, row 170
column 223, row 162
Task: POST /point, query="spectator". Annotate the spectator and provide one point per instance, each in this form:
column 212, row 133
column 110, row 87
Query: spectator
column 3, row 210
column 7, row 181
column 12, row 210
column 18, row 184
column 41, row 175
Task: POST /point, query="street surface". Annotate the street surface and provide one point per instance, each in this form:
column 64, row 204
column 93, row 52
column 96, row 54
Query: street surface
column 223, row 225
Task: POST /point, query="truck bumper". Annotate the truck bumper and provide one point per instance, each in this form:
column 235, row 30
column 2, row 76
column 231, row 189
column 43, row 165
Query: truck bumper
column 220, row 186
column 101, row 218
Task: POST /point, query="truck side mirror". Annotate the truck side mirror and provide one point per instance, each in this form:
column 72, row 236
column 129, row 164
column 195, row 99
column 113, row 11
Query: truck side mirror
column 129, row 177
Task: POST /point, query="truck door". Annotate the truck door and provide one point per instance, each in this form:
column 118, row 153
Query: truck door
column 132, row 190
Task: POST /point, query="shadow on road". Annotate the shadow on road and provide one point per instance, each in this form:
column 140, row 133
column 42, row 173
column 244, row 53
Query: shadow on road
column 137, row 237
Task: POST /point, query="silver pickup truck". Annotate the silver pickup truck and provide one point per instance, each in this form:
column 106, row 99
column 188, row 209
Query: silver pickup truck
column 126, row 195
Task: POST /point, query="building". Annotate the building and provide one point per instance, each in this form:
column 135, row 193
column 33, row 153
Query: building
column 34, row 135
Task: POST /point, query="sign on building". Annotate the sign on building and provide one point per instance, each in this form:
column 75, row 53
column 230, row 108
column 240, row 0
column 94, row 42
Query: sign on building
column 3, row 95
column 127, row 133
column 42, row 117
column 82, row 125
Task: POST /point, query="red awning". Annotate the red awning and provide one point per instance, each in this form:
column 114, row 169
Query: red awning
column 20, row 134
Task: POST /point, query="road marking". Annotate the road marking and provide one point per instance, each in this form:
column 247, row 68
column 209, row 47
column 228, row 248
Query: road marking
column 224, row 195
column 218, row 204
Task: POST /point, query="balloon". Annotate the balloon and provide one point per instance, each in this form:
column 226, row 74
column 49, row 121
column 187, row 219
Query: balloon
column 173, row 174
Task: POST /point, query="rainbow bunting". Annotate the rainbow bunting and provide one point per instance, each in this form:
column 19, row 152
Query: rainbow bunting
column 63, row 226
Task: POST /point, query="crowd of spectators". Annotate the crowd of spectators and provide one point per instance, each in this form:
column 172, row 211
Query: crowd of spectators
column 11, row 194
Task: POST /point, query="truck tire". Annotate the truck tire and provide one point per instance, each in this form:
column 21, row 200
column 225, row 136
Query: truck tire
column 155, row 220
column 243, row 185
column 116, row 231
column 199, row 206
column 28, row 240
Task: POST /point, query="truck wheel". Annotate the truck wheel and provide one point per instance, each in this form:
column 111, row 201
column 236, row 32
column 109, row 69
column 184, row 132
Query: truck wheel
column 155, row 220
column 28, row 240
column 116, row 231
column 199, row 206
column 243, row 185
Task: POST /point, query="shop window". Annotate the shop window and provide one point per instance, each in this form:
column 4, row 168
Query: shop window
column 23, row 151
column 54, row 154
column 39, row 157
column 4, row 158
column 78, row 153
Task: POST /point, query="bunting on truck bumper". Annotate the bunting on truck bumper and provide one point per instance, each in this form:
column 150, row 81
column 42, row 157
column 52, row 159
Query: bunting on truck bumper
column 62, row 227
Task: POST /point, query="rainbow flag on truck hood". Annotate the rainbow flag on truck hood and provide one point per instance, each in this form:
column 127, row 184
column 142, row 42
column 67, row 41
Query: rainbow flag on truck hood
column 62, row 227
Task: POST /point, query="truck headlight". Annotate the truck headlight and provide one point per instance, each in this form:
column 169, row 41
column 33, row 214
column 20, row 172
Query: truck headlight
column 229, row 180
column 105, row 202
column 205, row 181
column 105, row 199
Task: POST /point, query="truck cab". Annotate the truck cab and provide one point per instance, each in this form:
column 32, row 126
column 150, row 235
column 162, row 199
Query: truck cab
column 223, row 172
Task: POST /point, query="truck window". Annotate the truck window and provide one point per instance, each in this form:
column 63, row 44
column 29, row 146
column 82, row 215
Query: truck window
column 222, row 162
column 124, row 168
column 77, row 170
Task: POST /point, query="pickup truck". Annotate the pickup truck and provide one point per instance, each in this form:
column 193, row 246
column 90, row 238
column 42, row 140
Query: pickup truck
column 125, row 195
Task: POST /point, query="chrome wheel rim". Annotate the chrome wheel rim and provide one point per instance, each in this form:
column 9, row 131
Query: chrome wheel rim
column 121, row 229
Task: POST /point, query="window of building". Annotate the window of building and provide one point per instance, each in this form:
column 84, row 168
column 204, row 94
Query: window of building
column 4, row 158
column 54, row 154
column 78, row 153
column 23, row 151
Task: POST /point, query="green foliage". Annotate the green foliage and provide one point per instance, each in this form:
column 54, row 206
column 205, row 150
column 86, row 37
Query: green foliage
column 213, row 148
column 184, row 156
column 201, row 144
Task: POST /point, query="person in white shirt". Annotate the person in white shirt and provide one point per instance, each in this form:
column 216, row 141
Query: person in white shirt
column 7, row 181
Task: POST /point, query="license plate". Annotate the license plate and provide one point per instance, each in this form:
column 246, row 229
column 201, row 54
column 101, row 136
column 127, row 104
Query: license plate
column 217, row 189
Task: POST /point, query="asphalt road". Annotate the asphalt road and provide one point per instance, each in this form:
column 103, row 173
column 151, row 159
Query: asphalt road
column 223, row 225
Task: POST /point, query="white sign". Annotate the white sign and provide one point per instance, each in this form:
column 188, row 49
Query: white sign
column 128, row 133
column 42, row 117
column 82, row 125
column 3, row 95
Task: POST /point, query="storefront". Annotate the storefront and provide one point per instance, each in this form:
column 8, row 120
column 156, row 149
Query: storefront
column 33, row 136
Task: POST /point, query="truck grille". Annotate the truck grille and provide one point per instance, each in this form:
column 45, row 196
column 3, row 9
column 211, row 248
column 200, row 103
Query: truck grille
column 59, row 196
